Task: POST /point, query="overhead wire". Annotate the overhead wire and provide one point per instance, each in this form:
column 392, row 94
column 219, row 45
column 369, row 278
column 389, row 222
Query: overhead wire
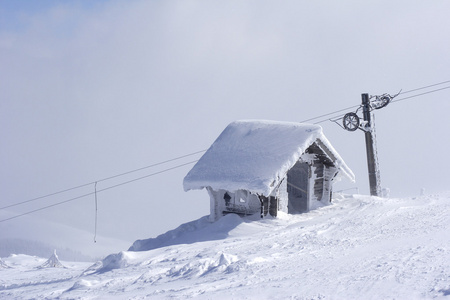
column 328, row 119
column 95, row 192
column 421, row 94
column 187, row 155
column 393, row 101
column 101, row 180
column 334, row 112
column 424, row 87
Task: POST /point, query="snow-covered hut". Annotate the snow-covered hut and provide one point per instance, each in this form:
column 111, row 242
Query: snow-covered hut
column 258, row 166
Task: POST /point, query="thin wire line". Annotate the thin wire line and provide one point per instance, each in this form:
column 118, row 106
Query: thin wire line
column 405, row 92
column 328, row 119
column 89, row 194
column 101, row 180
column 304, row 121
column 421, row 94
column 393, row 101
column 425, row 87
column 163, row 162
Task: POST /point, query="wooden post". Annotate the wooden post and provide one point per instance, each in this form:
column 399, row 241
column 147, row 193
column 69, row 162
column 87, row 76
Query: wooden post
column 371, row 163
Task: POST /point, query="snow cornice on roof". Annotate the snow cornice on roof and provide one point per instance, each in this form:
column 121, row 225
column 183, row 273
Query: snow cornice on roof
column 255, row 155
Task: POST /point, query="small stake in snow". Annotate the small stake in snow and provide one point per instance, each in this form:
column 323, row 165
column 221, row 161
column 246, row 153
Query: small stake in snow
column 351, row 121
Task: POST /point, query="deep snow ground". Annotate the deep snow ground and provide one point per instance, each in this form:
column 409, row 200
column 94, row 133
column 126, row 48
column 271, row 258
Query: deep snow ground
column 359, row 247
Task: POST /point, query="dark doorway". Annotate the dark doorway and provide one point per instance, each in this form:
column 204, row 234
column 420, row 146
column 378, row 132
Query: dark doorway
column 297, row 188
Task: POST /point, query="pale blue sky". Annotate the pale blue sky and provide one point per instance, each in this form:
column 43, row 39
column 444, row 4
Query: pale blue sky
column 14, row 15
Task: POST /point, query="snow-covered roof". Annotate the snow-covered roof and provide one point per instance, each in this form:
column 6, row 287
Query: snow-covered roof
column 255, row 155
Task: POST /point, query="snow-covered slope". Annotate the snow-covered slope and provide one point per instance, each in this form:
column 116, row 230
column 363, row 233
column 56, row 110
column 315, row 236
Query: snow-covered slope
column 47, row 236
column 35, row 248
column 360, row 247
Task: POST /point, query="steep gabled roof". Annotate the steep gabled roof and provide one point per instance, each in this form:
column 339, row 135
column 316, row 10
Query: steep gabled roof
column 255, row 155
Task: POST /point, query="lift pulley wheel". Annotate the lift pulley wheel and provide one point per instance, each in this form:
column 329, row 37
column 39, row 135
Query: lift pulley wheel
column 351, row 121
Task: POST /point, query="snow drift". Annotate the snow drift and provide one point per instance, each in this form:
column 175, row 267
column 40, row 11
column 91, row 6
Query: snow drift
column 360, row 247
column 192, row 232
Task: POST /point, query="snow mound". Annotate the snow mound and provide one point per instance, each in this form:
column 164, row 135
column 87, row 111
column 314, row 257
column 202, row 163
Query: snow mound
column 3, row 265
column 111, row 262
column 223, row 263
column 200, row 230
column 81, row 284
column 52, row 262
column 360, row 247
column 119, row 260
column 192, row 232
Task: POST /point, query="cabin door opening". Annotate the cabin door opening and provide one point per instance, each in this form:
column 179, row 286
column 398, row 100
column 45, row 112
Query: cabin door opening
column 297, row 188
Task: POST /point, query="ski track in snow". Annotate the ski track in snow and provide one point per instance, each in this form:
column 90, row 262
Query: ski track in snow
column 359, row 247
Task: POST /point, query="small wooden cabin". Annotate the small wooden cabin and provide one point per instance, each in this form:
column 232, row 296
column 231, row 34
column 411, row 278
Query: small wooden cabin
column 258, row 166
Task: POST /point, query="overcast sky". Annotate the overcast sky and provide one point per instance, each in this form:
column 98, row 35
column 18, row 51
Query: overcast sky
column 88, row 91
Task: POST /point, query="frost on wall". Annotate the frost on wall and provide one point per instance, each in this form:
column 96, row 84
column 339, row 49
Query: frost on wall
column 283, row 197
